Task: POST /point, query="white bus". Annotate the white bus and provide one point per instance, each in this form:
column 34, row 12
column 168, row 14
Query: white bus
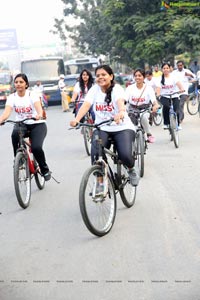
column 75, row 66
column 47, row 70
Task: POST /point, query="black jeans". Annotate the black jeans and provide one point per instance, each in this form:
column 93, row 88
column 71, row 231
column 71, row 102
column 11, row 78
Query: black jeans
column 166, row 106
column 37, row 134
column 123, row 141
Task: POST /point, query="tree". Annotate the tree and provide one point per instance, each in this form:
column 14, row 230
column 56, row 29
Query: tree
column 133, row 31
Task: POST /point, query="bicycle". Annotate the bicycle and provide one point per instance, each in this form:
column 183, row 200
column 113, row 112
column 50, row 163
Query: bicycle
column 173, row 121
column 99, row 210
column 193, row 101
column 140, row 145
column 87, row 133
column 157, row 117
column 25, row 168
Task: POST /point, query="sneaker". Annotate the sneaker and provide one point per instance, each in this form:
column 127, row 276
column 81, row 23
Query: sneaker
column 165, row 126
column 179, row 127
column 47, row 176
column 134, row 177
column 150, row 139
column 159, row 111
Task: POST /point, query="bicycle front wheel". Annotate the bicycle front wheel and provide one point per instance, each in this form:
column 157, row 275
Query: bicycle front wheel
column 22, row 180
column 140, row 149
column 39, row 178
column 98, row 211
column 174, row 130
column 126, row 190
column 87, row 135
column 158, row 117
column 192, row 104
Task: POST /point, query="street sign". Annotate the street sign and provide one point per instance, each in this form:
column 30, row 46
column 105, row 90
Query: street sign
column 8, row 39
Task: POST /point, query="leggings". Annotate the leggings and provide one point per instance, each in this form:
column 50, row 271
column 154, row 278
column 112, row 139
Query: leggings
column 37, row 134
column 166, row 106
column 123, row 141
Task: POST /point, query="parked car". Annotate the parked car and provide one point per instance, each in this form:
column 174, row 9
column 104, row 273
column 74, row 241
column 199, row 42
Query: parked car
column 119, row 79
column 123, row 79
column 6, row 86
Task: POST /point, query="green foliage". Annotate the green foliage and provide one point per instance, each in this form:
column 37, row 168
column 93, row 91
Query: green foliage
column 134, row 31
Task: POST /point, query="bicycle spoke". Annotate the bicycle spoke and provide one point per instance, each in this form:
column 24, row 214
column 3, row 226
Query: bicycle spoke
column 98, row 211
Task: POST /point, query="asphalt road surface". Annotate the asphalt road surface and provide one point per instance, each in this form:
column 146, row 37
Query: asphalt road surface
column 152, row 251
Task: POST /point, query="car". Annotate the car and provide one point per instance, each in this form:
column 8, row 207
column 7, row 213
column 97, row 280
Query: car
column 6, row 87
column 70, row 81
column 123, row 79
column 119, row 79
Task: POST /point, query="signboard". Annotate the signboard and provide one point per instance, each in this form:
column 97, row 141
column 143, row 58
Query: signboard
column 8, row 39
column 180, row 4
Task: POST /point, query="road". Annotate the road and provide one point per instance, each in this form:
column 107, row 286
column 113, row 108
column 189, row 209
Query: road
column 153, row 250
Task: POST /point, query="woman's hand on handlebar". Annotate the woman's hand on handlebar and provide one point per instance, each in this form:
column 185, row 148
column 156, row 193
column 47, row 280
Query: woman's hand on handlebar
column 118, row 117
column 73, row 123
column 155, row 107
column 38, row 117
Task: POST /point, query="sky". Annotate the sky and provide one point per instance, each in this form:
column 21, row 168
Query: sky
column 32, row 19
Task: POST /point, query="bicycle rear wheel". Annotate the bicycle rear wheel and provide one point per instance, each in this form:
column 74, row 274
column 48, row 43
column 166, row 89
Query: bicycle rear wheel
column 39, row 178
column 126, row 190
column 174, row 130
column 192, row 104
column 22, row 180
column 98, row 211
column 140, row 149
column 87, row 135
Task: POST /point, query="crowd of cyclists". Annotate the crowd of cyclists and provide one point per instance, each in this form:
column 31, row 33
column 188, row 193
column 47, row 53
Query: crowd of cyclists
column 105, row 99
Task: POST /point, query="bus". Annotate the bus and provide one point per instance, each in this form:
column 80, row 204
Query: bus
column 75, row 66
column 47, row 70
column 6, row 86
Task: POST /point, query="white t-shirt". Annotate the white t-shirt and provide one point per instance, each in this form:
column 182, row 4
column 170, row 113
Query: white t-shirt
column 153, row 82
column 24, row 106
column 81, row 96
column 185, row 80
column 169, row 87
column 134, row 97
column 103, row 111
column 61, row 84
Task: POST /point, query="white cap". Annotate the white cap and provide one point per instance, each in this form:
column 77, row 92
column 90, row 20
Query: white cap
column 62, row 76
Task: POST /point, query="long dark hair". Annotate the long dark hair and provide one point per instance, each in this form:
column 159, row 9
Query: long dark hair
column 163, row 76
column 24, row 77
column 108, row 69
column 82, row 83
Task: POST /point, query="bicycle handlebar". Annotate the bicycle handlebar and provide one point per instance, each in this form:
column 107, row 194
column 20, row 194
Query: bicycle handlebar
column 108, row 122
column 17, row 122
column 171, row 94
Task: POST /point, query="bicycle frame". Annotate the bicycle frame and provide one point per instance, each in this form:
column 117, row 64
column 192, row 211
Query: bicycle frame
column 25, row 146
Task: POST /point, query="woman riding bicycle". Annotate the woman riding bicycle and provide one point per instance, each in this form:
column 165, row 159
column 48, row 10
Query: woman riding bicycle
column 80, row 90
column 28, row 105
column 140, row 96
column 168, row 85
column 107, row 99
